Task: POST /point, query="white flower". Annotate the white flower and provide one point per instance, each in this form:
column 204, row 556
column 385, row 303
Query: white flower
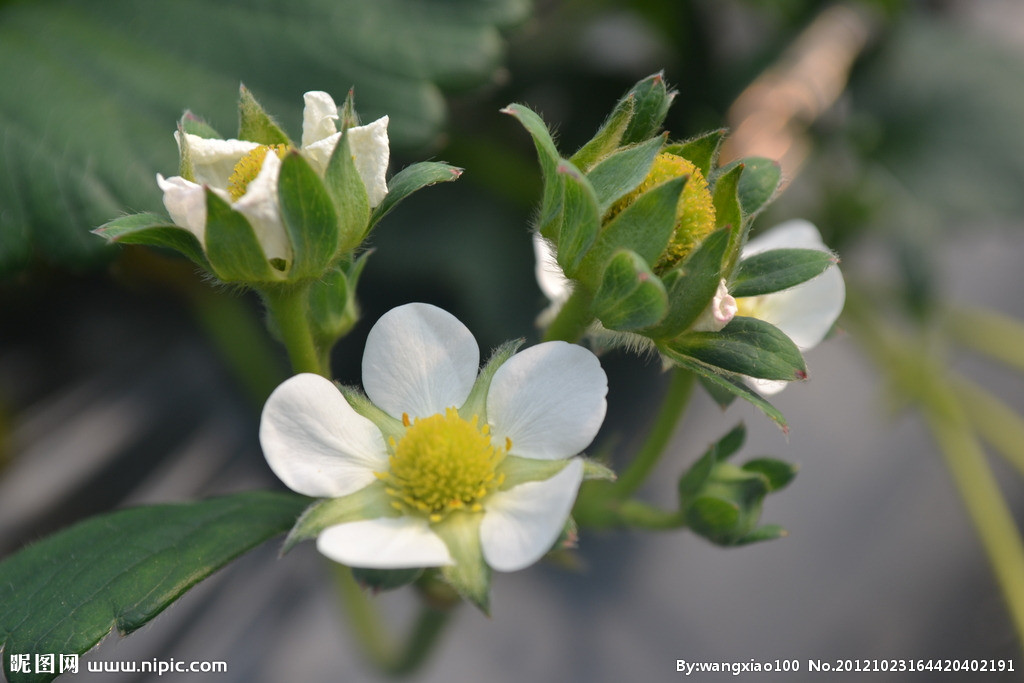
column 806, row 312
column 245, row 173
column 452, row 468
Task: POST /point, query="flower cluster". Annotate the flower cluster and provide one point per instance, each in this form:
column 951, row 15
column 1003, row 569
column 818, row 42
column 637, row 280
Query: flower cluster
column 647, row 239
column 437, row 465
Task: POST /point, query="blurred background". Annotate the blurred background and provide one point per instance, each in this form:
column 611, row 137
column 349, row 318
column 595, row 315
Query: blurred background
column 125, row 379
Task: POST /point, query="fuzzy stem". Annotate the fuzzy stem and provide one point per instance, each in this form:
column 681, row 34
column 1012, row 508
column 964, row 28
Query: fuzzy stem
column 573, row 319
column 289, row 308
column 673, row 405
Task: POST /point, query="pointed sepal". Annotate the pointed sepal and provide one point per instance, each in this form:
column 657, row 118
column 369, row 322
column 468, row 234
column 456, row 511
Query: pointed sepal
column 631, row 296
column 255, row 124
column 309, row 217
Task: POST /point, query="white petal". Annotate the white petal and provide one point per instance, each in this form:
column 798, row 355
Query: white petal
column 549, row 400
column 419, row 359
column 766, row 387
column 550, row 278
column 794, row 234
column 319, row 153
column 261, row 206
column 185, row 201
column 385, row 543
column 319, row 117
column 520, row 525
column 805, row 313
column 371, row 150
column 316, row 443
column 213, row 160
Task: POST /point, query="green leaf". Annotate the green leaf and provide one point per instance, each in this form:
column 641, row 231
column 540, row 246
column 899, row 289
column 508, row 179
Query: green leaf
column 631, row 296
column 155, row 231
column 347, row 192
column 746, row 346
column 701, row 151
column 778, row 473
column 549, row 220
column 645, row 227
column 100, row 86
column 758, row 184
column 255, row 124
column 693, row 481
column 580, row 221
column 409, row 180
column 607, row 138
column 727, row 383
column 725, row 196
column 309, row 217
column 234, row 251
column 692, row 285
column 779, row 269
column 621, row 173
column 653, row 99
column 64, row 593
column 333, row 310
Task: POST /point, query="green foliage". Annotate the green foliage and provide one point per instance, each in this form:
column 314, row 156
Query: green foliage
column 630, row 296
column 779, row 269
column 746, row 346
column 99, row 88
column 65, row 593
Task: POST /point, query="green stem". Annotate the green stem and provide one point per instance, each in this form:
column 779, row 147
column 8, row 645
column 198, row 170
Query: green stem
column 994, row 421
column 673, row 404
column 573, row 319
column 289, row 307
column 373, row 637
column 639, row 515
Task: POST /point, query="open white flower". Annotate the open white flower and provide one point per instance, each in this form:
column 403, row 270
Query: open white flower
column 245, row 173
column 444, row 468
column 806, row 312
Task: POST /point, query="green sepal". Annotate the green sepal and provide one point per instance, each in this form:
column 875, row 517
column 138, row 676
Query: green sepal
column 469, row 575
column 379, row 580
column 768, row 532
column 721, row 396
column 547, row 153
column 692, row 285
column 725, row 197
column 232, row 247
column 653, row 99
column 645, row 227
column 701, row 151
column 255, row 124
column 309, row 217
column 728, row 506
column 185, row 167
column 725, row 382
column 369, row 502
column 194, row 125
column 608, row 136
column 390, row 427
column 779, row 269
column 758, row 184
column 347, row 193
column 518, row 470
column 622, row 172
column 580, row 220
column 409, row 180
column 778, row 473
column 593, row 470
column 333, row 309
column 155, row 231
column 347, row 116
column 746, row 346
column 630, row 296
column 476, row 402
column 694, row 479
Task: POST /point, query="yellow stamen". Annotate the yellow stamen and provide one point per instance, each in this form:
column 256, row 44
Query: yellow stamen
column 443, row 463
column 248, row 167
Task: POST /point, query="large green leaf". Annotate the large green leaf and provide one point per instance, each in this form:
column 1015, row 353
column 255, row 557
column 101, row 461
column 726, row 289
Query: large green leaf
column 63, row 594
column 92, row 91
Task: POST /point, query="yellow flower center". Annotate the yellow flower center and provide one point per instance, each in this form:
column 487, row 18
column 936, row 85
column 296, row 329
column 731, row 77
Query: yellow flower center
column 695, row 213
column 248, row 167
column 443, row 463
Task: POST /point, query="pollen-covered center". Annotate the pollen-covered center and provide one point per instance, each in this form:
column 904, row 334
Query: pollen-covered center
column 695, row 212
column 443, row 463
column 248, row 167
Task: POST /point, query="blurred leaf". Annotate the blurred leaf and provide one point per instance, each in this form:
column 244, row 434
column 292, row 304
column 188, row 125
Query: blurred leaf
column 119, row 570
column 778, row 473
column 93, row 91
